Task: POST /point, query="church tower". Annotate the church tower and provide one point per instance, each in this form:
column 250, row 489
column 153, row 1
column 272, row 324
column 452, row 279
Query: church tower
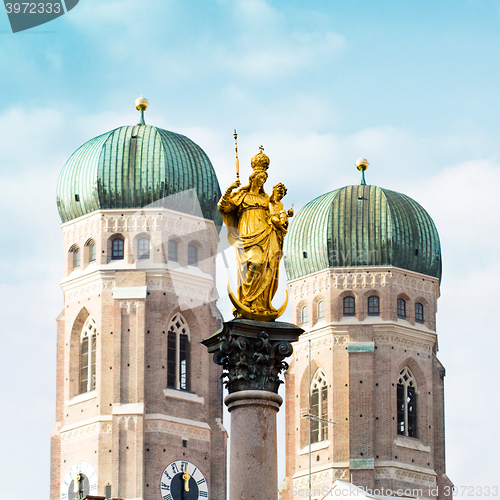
column 364, row 391
column 139, row 402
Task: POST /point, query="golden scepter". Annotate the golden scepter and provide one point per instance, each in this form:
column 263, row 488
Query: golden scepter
column 237, row 159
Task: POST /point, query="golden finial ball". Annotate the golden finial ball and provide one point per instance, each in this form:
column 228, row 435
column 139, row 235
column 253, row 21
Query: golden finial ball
column 141, row 103
column 362, row 164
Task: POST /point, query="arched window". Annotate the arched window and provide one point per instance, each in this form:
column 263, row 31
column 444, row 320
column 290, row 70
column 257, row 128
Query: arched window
column 419, row 312
column 172, row 250
column 373, row 306
column 117, row 249
column 402, row 308
column 407, row 404
column 304, row 315
column 92, row 251
column 192, row 255
column 321, row 309
column 88, row 341
column 319, row 407
column 76, row 257
column 349, row 306
column 178, row 354
column 143, row 248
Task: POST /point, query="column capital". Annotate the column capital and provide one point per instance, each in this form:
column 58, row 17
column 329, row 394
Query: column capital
column 252, row 353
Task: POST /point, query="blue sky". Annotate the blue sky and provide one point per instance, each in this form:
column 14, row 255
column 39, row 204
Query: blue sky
column 412, row 86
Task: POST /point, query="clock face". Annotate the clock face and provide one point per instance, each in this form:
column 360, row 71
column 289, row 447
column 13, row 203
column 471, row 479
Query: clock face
column 80, row 480
column 182, row 480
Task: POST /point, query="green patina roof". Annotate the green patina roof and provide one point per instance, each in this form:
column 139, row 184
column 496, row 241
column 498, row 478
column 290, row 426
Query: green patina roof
column 362, row 226
column 136, row 166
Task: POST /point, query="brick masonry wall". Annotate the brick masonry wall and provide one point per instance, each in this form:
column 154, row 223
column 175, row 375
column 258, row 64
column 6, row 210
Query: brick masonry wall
column 117, row 440
column 362, row 383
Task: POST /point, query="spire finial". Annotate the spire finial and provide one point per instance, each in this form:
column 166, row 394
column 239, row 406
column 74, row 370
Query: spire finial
column 362, row 165
column 141, row 104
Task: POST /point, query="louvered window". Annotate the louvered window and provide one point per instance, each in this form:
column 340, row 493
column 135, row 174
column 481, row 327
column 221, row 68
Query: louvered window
column 178, row 354
column 88, row 347
column 319, row 407
column 407, row 404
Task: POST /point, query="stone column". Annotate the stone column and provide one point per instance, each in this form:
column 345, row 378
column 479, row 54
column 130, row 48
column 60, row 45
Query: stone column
column 252, row 354
column 254, row 452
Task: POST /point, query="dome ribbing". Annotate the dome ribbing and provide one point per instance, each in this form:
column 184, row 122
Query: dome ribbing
column 137, row 166
column 362, row 226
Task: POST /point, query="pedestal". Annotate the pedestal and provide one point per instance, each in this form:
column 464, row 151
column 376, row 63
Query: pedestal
column 251, row 354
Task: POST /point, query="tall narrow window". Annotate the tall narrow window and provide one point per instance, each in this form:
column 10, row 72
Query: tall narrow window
column 321, row 309
column 88, row 342
column 76, row 257
column 304, row 315
column 373, row 306
column 402, row 308
column 92, row 252
column 407, row 404
column 349, row 306
column 319, row 407
column 143, row 248
column 419, row 312
column 192, row 255
column 117, row 249
column 183, row 363
column 172, row 250
column 178, row 354
column 171, row 359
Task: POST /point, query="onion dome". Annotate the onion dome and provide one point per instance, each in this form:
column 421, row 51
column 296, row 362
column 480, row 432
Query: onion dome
column 138, row 166
column 358, row 226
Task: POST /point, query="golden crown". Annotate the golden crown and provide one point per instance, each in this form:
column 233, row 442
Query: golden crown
column 260, row 161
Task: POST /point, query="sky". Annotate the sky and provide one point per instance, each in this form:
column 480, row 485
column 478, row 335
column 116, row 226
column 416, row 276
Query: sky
column 411, row 86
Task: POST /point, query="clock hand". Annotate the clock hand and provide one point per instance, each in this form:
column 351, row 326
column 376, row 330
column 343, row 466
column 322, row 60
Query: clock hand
column 186, row 478
column 79, row 482
column 76, row 483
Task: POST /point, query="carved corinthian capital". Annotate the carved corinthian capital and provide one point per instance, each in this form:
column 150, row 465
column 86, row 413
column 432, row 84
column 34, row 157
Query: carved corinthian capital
column 252, row 353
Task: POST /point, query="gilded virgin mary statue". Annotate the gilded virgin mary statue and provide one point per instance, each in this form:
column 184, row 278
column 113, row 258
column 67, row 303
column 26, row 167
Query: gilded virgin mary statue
column 257, row 224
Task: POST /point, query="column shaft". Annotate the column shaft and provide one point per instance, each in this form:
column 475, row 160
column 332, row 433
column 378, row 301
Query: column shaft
column 253, row 457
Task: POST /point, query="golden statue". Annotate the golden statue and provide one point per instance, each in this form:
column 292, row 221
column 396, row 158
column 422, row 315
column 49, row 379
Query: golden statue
column 257, row 224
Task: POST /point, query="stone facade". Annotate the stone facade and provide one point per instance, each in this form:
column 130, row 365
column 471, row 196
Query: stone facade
column 131, row 425
column 362, row 356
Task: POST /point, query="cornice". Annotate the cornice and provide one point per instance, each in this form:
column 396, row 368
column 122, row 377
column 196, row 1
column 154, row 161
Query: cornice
column 364, row 278
column 190, row 283
column 84, row 423
column 391, row 328
column 139, row 220
column 322, row 474
column 404, row 472
column 184, row 427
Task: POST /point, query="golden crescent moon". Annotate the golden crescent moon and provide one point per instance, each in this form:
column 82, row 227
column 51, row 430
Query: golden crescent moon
column 249, row 314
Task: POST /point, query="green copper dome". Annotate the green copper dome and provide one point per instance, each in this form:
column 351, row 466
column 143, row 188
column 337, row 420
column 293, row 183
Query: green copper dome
column 362, row 226
column 136, row 166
